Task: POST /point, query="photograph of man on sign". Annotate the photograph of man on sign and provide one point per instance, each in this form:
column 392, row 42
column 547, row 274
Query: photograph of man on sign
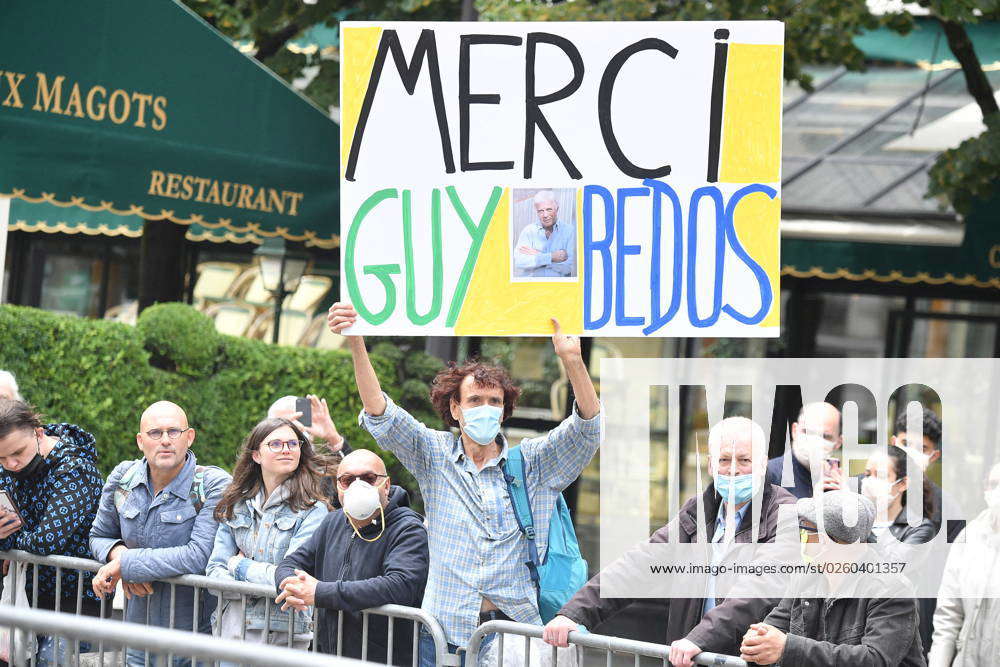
column 544, row 233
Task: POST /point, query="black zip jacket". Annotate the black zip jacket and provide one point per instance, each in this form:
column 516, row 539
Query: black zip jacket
column 354, row 575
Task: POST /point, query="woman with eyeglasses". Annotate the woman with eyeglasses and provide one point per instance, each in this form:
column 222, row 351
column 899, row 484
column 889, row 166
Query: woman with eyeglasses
column 967, row 620
column 272, row 507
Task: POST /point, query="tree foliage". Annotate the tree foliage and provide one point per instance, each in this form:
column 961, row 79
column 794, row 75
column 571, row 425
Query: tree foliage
column 816, row 32
column 272, row 24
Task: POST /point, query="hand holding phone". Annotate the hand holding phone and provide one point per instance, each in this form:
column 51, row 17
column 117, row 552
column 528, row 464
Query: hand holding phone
column 10, row 518
column 303, row 406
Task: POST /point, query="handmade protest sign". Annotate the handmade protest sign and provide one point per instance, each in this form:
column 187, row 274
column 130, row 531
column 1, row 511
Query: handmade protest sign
column 622, row 177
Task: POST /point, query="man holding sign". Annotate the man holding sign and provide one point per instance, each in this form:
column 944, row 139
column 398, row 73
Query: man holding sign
column 477, row 568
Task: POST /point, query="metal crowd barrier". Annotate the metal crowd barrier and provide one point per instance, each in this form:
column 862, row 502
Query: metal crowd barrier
column 187, row 642
column 203, row 585
column 162, row 640
column 610, row 645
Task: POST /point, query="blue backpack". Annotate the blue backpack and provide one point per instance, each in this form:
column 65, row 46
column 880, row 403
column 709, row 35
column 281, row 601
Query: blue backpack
column 564, row 571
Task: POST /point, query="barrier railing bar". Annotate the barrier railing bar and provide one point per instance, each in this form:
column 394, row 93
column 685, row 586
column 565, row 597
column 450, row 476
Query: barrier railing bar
column 340, row 632
column 159, row 640
column 416, row 644
column 173, row 614
column 388, row 652
column 606, row 643
column 364, row 636
column 246, row 589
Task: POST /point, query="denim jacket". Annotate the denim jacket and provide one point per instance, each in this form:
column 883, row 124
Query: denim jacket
column 263, row 530
column 166, row 536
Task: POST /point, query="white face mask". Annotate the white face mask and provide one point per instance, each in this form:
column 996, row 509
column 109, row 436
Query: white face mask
column 875, row 489
column 361, row 500
column 921, row 459
column 809, row 448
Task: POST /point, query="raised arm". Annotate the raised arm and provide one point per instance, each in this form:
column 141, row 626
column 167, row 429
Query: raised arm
column 342, row 316
column 568, row 349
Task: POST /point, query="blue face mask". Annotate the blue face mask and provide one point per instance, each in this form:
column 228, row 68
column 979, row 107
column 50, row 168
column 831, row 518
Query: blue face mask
column 482, row 423
column 741, row 485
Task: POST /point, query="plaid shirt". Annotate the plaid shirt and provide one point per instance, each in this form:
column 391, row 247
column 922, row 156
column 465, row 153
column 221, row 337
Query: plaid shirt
column 476, row 547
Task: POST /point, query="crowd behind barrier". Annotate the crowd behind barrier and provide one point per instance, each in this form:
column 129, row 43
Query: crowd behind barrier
column 247, row 556
column 204, row 585
column 111, row 637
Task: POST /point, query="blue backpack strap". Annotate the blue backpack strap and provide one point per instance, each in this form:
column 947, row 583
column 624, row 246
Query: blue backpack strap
column 517, row 489
column 126, row 483
column 197, row 492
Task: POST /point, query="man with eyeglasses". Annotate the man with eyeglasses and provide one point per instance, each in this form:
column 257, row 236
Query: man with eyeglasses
column 155, row 521
column 372, row 551
column 816, row 442
column 50, row 473
column 736, row 457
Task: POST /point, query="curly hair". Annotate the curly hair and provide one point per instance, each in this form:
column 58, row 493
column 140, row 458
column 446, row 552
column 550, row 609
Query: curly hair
column 448, row 382
column 931, row 427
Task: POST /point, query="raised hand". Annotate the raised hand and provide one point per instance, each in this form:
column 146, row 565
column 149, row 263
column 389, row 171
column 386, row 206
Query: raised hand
column 341, row 316
column 322, row 424
column 566, row 346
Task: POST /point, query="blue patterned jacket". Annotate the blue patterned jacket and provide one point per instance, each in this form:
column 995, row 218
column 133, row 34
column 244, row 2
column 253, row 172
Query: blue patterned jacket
column 58, row 505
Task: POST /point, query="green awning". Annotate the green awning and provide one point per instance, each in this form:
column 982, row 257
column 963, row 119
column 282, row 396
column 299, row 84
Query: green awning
column 973, row 263
column 52, row 219
column 101, row 112
column 919, row 45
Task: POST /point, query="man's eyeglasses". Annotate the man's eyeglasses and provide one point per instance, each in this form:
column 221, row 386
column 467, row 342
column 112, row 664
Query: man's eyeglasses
column 372, row 478
column 279, row 445
column 172, row 433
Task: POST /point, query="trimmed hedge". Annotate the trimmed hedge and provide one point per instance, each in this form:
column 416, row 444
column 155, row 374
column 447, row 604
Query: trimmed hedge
column 98, row 374
column 179, row 338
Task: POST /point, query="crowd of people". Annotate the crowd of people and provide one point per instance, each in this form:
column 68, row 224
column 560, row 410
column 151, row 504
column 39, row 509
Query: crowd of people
column 326, row 527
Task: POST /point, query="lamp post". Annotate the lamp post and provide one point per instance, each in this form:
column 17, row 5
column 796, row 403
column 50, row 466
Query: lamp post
column 280, row 272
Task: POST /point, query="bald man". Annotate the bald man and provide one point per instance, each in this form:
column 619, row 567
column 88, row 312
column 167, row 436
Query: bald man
column 155, row 521
column 372, row 551
column 816, row 442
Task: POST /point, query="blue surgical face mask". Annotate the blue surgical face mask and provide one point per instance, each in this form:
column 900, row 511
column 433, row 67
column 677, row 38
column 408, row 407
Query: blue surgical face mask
column 482, row 423
column 741, row 485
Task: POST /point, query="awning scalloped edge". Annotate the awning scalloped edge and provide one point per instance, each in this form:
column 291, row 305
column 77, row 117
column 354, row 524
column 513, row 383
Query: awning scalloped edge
column 123, row 230
column 891, row 277
column 310, row 238
column 77, row 228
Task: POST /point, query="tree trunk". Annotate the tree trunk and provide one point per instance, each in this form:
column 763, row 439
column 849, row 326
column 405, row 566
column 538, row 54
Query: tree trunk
column 975, row 78
column 270, row 44
column 469, row 12
column 162, row 263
